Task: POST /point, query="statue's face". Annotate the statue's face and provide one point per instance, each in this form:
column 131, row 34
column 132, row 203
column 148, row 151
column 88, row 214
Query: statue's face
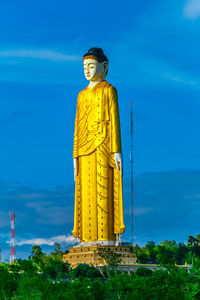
column 94, row 70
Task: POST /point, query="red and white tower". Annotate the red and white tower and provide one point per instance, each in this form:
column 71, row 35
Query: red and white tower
column 12, row 240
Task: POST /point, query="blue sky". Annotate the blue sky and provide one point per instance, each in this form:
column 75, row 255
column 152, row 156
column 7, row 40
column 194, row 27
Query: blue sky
column 153, row 49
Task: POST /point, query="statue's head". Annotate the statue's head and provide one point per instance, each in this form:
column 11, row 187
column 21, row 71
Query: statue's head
column 95, row 64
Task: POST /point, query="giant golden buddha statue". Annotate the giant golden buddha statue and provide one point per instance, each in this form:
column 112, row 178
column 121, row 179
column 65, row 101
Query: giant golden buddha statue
column 98, row 216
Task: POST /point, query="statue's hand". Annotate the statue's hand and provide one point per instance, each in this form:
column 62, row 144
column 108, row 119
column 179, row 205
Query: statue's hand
column 118, row 162
column 75, row 162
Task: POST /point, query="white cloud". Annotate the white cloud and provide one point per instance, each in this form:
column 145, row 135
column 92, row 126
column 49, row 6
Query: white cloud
column 50, row 242
column 197, row 196
column 192, row 9
column 139, row 211
column 4, row 235
column 39, row 54
column 57, row 215
column 4, row 219
column 38, row 205
column 178, row 78
column 28, row 196
column 156, row 67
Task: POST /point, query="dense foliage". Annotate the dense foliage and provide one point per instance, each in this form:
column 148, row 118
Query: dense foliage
column 44, row 276
column 169, row 252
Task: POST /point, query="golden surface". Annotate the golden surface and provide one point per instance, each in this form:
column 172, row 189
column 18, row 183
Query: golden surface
column 89, row 255
column 98, row 195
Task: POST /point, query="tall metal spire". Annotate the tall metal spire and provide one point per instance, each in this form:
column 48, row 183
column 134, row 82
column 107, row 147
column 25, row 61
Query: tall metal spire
column 12, row 240
column 131, row 161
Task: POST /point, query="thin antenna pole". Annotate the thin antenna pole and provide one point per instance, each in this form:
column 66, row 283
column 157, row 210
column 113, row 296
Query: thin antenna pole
column 131, row 161
column 12, row 240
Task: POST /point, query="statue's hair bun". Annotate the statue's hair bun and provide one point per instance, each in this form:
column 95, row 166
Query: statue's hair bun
column 96, row 53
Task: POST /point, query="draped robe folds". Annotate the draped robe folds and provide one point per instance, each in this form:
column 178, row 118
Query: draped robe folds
column 98, row 212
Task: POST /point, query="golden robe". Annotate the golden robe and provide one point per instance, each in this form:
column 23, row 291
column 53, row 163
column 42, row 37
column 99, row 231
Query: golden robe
column 98, row 213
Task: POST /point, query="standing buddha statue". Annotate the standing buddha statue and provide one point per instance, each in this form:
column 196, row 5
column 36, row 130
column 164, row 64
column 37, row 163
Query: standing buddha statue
column 97, row 156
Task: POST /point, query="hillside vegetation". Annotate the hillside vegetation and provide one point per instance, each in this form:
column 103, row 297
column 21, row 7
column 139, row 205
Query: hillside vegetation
column 43, row 276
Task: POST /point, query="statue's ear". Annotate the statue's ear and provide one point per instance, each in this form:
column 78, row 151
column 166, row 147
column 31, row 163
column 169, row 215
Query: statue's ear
column 105, row 67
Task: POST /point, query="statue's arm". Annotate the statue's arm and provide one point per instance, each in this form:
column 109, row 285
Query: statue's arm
column 75, row 148
column 115, row 130
column 119, row 162
column 115, row 122
column 75, row 163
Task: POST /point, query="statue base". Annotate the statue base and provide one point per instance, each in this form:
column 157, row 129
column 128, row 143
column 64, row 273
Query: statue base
column 100, row 255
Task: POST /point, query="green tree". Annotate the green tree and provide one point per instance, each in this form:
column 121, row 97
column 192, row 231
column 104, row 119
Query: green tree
column 26, row 266
column 8, row 284
column 98, row 289
column 38, row 257
column 164, row 255
column 82, row 271
column 79, row 289
column 166, row 252
column 119, row 286
column 150, row 250
column 181, row 254
column 34, row 287
column 141, row 271
column 55, row 269
column 194, row 250
column 142, row 258
column 57, row 253
column 191, row 241
column 145, row 254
